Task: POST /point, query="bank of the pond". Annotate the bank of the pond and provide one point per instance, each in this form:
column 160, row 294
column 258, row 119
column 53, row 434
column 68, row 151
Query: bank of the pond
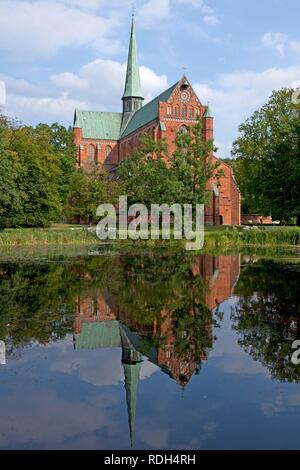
column 215, row 237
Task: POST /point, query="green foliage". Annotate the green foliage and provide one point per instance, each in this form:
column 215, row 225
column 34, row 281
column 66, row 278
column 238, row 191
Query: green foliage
column 192, row 166
column 267, row 316
column 145, row 175
column 152, row 176
column 88, row 191
column 267, row 153
column 36, row 165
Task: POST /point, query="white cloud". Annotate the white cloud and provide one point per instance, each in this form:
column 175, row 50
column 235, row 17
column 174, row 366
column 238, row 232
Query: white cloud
column 277, row 41
column 153, row 11
column 2, row 93
column 280, row 42
column 99, row 85
column 210, row 17
column 40, row 29
column 234, row 97
column 211, row 20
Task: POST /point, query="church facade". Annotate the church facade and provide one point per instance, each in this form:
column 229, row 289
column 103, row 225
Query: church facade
column 105, row 139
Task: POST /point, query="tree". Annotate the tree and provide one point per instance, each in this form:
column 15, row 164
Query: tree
column 267, row 156
column 146, row 176
column 38, row 178
column 88, row 191
column 62, row 142
column 192, row 165
column 36, row 167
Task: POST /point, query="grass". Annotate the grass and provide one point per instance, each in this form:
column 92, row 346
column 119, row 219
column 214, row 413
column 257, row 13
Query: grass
column 215, row 237
column 39, row 236
column 254, row 236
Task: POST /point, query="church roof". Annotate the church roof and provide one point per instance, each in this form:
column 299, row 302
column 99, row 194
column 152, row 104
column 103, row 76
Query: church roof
column 98, row 125
column 104, row 334
column 133, row 85
column 147, row 113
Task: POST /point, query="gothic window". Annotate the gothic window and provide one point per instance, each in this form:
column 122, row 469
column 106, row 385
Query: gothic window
column 183, row 130
column 184, row 111
column 191, row 113
column 169, row 110
column 197, row 112
column 108, row 152
column 92, row 154
column 176, row 111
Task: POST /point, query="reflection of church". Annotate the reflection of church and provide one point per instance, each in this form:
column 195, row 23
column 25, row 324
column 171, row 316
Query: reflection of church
column 101, row 323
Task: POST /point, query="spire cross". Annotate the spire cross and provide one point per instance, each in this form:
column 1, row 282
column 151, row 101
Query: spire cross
column 133, row 8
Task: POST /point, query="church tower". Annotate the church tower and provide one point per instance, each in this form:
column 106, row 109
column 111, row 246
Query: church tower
column 133, row 96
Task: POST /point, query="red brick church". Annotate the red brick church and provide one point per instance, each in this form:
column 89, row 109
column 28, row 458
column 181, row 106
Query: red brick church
column 105, row 139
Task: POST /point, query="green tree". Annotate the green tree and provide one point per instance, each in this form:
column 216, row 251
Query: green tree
column 62, row 143
column 267, row 156
column 145, row 175
column 38, row 178
column 88, row 191
column 192, row 165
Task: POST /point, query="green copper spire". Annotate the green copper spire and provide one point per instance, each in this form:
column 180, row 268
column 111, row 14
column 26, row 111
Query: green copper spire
column 132, row 361
column 133, row 84
column 208, row 113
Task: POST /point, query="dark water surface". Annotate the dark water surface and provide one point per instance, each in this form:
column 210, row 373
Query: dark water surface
column 155, row 350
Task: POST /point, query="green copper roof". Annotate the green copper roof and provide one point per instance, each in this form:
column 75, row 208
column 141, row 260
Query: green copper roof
column 147, row 113
column 96, row 125
column 208, row 113
column 133, row 83
column 104, row 334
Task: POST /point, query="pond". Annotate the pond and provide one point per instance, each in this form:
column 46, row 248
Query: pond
column 149, row 350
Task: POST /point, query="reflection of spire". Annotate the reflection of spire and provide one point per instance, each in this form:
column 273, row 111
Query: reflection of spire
column 132, row 376
column 132, row 361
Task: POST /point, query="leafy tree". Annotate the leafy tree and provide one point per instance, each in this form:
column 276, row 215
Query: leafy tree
column 62, row 142
column 146, row 176
column 267, row 156
column 267, row 316
column 88, row 191
column 192, row 165
column 38, row 178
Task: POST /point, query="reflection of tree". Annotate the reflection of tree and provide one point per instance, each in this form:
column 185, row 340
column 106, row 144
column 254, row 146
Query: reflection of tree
column 156, row 294
column 163, row 290
column 37, row 301
column 268, row 316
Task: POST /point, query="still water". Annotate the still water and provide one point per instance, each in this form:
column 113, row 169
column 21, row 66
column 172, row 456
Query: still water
column 156, row 350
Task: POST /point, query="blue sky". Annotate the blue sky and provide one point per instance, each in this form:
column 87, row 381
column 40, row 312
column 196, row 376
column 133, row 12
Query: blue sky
column 56, row 55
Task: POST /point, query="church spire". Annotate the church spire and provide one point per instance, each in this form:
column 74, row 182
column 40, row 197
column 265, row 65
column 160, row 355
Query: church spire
column 133, row 96
column 133, row 84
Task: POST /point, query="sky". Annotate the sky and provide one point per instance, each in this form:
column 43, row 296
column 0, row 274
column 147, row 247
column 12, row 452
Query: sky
column 56, row 55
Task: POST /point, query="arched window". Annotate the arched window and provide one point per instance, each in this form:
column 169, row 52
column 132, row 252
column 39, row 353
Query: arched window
column 177, row 111
column 169, row 110
column 191, row 113
column 108, row 152
column 184, row 111
column 197, row 112
column 92, row 154
column 183, row 130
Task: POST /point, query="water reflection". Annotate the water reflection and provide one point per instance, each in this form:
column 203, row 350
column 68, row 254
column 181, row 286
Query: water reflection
column 159, row 309
column 267, row 316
